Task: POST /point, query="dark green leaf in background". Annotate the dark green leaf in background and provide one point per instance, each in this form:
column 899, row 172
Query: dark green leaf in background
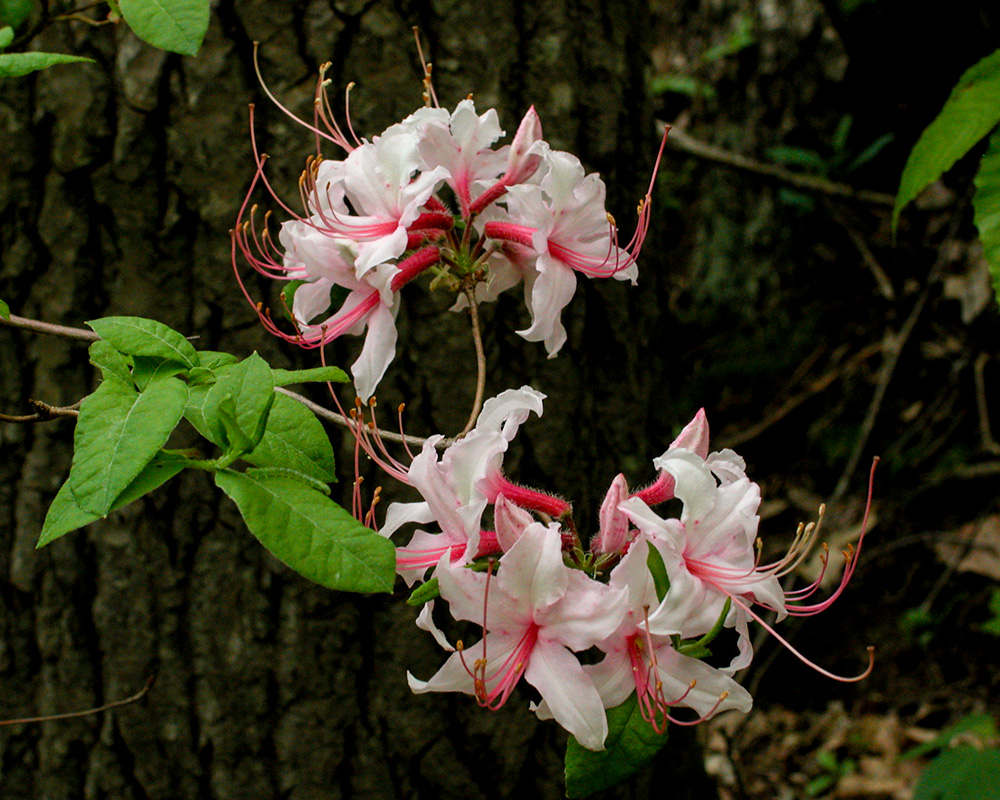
column 971, row 112
column 630, row 745
column 986, row 206
column 14, row 12
column 310, row 533
column 656, row 567
column 963, row 773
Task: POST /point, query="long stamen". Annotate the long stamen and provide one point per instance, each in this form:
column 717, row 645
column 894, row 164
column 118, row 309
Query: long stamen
column 871, row 650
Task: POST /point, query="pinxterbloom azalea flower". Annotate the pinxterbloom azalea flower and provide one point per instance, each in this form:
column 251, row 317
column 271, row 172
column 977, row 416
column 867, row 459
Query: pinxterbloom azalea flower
column 435, row 194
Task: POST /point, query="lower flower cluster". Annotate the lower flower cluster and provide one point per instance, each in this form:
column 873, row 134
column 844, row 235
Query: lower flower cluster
column 648, row 592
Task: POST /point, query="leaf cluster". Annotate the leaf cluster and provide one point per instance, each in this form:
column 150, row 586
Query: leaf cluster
column 178, row 26
column 153, row 379
column 971, row 114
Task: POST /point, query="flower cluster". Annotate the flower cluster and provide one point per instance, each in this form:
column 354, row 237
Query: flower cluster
column 649, row 592
column 434, row 194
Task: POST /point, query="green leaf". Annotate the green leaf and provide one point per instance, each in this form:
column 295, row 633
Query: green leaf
column 739, row 40
column 285, row 377
column 4, row 310
column 194, row 412
column 111, row 363
column 6, row 32
column 65, row 515
column 840, row 134
column 285, row 472
column 971, row 112
column 213, row 359
column 869, row 152
column 117, row 434
column 310, row 533
column 251, row 387
column 631, row 744
column 146, row 369
column 296, row 440
column 986, row 207
column 14, row 12
column 820, row 784
column 992, row 625
column 699, row 647
column 980, row 724
column 424, row 593
column 288, row 296
column 963, row 773
column 175, row 25
column 13, row 65
column 796, row 157
column 661, row 581
column 200, row 375
column 138, row 336
column 232, row 433
column 681, row 84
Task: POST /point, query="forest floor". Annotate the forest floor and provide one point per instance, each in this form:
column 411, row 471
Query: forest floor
column 935, row 622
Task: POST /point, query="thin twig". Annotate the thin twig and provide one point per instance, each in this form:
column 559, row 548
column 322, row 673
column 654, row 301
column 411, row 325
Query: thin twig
column 477, row 337
column 817, row 386
column 72, row 714
column 44, row 412
column 894, row 347
column 80, row 334
column 47, row 327
column 679, row 140
column 985, row 430
column 335, row 416
column 868, row 257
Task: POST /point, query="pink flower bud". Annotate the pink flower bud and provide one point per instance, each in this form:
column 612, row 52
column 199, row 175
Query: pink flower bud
column 613, row 535
column 526, row 150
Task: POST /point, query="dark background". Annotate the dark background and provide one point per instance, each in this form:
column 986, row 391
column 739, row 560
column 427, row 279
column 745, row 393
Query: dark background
column 779, row 311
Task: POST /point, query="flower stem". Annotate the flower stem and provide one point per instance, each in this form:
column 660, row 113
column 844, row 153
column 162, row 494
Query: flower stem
column 477, row 337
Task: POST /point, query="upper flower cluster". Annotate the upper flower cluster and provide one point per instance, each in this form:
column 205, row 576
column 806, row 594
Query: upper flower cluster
column 435, row 193
column 649, row 592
